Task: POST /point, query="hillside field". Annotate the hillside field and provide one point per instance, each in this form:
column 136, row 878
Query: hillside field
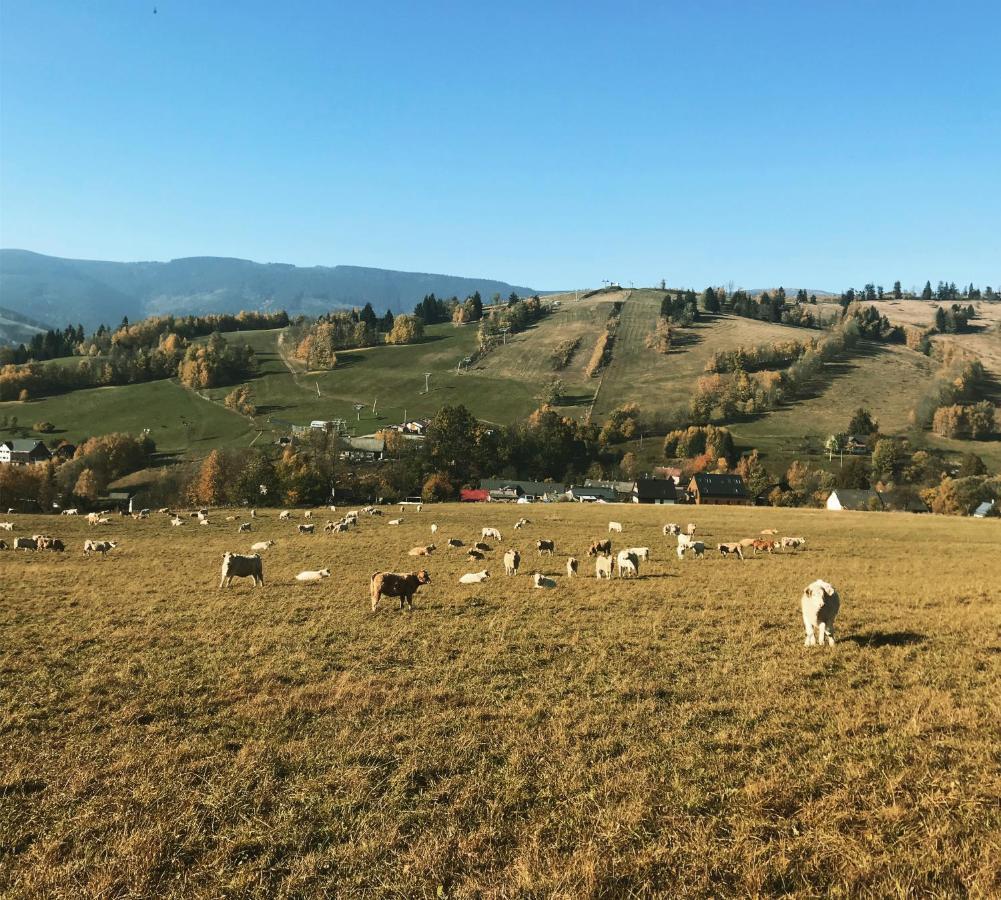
column 665, row 736
column 505, row 385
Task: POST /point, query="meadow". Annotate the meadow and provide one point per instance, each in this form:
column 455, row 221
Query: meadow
column 664, row 736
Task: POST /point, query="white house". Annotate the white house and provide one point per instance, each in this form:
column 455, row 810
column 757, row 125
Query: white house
column 844, row 498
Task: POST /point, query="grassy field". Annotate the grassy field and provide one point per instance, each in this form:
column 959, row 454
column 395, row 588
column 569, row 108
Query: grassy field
column 668, row 736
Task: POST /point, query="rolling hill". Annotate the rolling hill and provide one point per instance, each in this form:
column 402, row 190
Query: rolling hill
column 505, row 385
column 56, row 291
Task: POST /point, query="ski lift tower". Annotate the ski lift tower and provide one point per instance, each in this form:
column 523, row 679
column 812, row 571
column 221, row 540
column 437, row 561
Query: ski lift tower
column 427, row 382
column 358, row 408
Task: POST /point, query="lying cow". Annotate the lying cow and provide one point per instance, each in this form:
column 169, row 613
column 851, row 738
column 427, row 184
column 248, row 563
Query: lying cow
column 237, row 565
column 397, row 584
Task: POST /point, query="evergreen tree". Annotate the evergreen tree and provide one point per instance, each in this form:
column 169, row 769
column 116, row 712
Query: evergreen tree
column 897, row 291
column 927, row 294
column 368, row 315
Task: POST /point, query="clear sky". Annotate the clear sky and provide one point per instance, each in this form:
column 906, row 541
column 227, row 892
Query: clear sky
column 812, row 143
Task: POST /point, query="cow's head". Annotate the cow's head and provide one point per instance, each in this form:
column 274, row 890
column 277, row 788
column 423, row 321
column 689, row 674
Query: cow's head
column 423, row 577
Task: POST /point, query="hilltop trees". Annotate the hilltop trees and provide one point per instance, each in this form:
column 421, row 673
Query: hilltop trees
column 216, row 363
column 406, row 330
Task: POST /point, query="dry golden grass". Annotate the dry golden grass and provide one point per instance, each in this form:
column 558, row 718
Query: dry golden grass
column 668, row 736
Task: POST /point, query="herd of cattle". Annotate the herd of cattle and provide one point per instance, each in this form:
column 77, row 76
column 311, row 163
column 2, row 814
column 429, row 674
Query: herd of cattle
column 820, row 602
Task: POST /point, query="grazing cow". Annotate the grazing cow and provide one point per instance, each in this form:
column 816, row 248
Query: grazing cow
column 571, row 566
column 697, row 547
column 541, row 581
column 731, row 549
column 512, row 559
column 253, row 514
column 672, row 528
column 690, row 529
column 284, row 515
column 176, row 522
column 244, row 527
column 628, row 564
column 479, row 545
column 434, row 527
column 474, row 577
column 397, row 584
column 308, row 514
column 312, row 577
column 454, row 542
column 793, row 543
column 102, row 547
column 51, row 543
column 237, row 565
column 615, row 526
column 603, row 567
column 640, row 553
column 820, row 603
column 70, row 512
column 491, row 533
column 23, row 543
column 766, row 546
column 421, row 551
column 521, row 523
column 261, row 546
column 600, row 548
column 475, row 554
column 7, row 526
column 306, row 529
column 395, row 521
column 544, row 546
column 329, row 527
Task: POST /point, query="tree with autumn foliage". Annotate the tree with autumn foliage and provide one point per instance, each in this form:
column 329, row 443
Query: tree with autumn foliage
column 209, row 487
column 87, row 487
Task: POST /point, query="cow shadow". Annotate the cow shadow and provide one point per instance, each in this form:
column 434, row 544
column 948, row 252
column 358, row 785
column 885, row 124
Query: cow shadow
column 877, row 639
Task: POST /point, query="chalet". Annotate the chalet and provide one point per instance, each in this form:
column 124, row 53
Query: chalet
column 23, row 453
column 623, row 489
column 902, row 500
column 987, row 508
column 585, row 494
column 672, row 472
column 857, row 445
column 655, row 490
column 864, row 500
column 510, row 490
column 363, row 448
column 718, row 490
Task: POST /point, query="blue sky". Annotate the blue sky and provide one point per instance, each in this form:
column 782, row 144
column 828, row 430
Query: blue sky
column 817, row 144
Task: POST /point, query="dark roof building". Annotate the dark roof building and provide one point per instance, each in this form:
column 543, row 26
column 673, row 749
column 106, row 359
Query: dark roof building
column 655, row 490
column 852, row 499
column 719, row 490
column 23, row 453
column 593, row 494
column 512, row 488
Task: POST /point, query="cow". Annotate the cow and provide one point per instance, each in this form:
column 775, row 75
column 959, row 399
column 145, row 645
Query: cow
column 23, row 543
column 237, row 565
column 244, row 527
column 548, row 547
column 102, row 547
column 820, row 604
column 512, row 559
column 306, row 529
column 615, row 526
column 397, row 584
column 600, row 548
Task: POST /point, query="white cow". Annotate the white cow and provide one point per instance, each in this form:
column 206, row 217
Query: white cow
column 820, row 603
column 474, row 577
column 541, row 581
column 615, row 526
column 312, row 577
column 491, row 533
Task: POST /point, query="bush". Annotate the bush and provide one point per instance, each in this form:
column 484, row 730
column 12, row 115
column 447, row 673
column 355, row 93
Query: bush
column 44, row 427
column 438, row 489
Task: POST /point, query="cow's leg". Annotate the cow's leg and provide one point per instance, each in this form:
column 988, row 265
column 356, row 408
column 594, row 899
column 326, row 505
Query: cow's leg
column 811, row 639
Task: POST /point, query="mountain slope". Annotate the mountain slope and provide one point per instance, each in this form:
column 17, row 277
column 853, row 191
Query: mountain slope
column 57, row 291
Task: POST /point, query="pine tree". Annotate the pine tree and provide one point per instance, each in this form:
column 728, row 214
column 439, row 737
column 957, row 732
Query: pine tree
column 898, row 291
column 927, row 294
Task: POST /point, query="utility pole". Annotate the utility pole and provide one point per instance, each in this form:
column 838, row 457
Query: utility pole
column 358, row 408
column 374, row 402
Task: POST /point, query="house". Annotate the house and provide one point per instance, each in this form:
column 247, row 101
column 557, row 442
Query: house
column 122, row 500
column 902, row 500
column 984, row 510
column 857, row 445
column 719, row 490
column 23, row 453
column 362, row 448
column 64, row 451
column 845, row 498
column 623, row 489
column 593, row 494
column 655, row 490
column 470, row 495
column 509, row 489
column 672, row 472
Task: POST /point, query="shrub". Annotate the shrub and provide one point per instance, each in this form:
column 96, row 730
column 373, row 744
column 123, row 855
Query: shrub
column 44, row 427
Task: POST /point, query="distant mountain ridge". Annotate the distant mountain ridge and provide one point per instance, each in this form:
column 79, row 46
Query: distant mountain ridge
column 57, row 291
